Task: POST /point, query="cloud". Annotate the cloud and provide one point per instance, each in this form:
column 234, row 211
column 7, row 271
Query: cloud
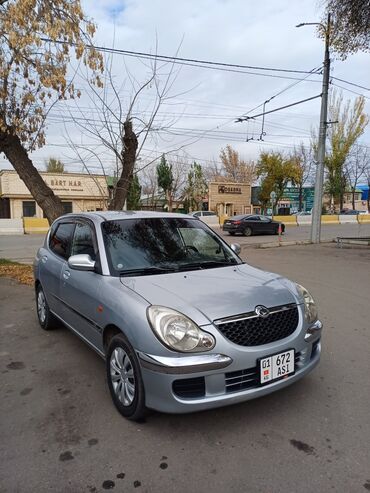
column 260, row 33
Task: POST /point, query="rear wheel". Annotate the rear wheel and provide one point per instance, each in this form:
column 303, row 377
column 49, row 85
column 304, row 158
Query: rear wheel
column 231, row 233
column 46, row 319
column 247, row 231
column 124, row 378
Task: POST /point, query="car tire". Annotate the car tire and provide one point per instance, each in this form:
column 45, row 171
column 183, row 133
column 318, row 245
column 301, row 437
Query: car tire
column 231, row 233
column 46, row 319
column 124, row 379
column 247, row 231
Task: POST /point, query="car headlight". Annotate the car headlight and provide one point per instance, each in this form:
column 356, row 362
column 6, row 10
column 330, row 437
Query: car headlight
column 177, row 331
column 310, row 310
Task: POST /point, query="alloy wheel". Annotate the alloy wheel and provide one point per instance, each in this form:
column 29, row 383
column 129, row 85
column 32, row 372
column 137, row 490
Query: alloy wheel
column 122, row 376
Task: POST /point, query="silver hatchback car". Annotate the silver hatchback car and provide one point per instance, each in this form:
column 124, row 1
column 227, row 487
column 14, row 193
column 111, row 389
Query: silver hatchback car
column 182, row 322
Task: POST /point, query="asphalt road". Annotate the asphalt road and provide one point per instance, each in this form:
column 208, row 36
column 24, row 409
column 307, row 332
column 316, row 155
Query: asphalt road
column 23, row 248
column 59, row 431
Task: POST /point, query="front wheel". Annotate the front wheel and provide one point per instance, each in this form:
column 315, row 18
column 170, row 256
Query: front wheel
column 247, row 231
column 124, row 379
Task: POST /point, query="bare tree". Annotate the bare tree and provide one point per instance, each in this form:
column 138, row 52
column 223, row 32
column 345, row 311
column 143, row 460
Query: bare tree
column 303, row 158
column 148, row 178
column 120, row 124
column 355, row 168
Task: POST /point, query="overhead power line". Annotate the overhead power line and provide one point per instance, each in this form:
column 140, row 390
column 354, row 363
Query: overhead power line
column 242, row 119
column 141, row 54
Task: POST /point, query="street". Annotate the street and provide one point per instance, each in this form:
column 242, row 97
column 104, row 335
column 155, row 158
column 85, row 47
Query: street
column 23, row 248
column 61, row 433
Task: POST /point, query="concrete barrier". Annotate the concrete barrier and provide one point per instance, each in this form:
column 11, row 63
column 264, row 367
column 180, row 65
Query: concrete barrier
column 347, row 218
column 363, row 218
column 330, row 219
column 304, row 220
column 11, row 227
column 287, row 220
column 35, row 225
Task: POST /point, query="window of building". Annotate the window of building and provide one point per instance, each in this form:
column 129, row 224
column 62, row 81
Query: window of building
column 83, row 242
column 29, row 208
column 61, row 238
column 67, row 207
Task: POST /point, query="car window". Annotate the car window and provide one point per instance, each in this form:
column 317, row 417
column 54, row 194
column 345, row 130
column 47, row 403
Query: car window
column 167, row 243
column 83, row 242
column 197, row 214
column 252, row 218
column 60, row 240
column 201, row 242
column 264, row 219
column 209, row 213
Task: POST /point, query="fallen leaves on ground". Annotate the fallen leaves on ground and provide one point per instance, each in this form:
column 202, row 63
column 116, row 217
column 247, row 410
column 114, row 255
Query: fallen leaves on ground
column 20, row 272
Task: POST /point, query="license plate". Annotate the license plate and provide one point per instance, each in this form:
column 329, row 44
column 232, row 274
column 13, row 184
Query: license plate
column 276, row 366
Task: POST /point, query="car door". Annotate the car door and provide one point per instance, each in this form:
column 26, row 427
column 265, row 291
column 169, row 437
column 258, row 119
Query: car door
column 52, row 260
column 265, row 225
column 254, row 223
column 80, row 289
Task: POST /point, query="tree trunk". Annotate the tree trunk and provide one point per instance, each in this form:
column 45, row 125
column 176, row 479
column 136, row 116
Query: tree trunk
column 169, row 200
column 128, row 154
column 353, row 198
column 13, row 149
column 300, row 198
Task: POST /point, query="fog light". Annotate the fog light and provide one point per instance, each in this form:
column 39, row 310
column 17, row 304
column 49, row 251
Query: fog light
column 312, row 331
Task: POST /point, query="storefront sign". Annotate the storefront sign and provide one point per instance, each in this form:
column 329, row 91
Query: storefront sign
column 229, row 189
column 65, row 185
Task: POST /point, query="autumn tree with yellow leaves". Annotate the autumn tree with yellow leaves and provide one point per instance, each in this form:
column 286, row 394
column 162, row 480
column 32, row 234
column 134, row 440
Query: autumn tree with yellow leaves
column 38, row 39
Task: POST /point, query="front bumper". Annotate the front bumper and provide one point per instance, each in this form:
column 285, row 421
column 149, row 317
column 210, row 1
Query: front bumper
column 161, row 375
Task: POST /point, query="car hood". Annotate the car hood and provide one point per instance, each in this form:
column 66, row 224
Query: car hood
column 210, row 294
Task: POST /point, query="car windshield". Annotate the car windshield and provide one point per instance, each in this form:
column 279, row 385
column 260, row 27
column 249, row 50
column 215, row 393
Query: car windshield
column 160, row 245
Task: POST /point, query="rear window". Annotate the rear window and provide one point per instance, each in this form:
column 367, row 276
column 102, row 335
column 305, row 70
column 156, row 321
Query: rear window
column 61, row 238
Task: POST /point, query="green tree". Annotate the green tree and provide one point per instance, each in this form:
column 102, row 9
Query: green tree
column 33, row 77
column 54, row 165
column 134, row 194
column 196, row 187
column 350, row 29
column 275, row 171
column 165, row 180
column 351, row 122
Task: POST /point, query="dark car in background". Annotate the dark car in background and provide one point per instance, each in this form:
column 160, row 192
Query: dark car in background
column 248, row 225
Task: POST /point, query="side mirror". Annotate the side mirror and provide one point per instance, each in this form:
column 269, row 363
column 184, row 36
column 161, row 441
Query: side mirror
column 235, row 247
column 81, row 262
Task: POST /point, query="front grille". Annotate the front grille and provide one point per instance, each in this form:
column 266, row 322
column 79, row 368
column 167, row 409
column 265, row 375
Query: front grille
column 236, row 381
column 252, row 330
column 190, row 387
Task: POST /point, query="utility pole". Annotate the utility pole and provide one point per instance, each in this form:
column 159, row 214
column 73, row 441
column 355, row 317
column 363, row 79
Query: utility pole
column 319, row 181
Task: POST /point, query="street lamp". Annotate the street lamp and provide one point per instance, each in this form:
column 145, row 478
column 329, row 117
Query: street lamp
column 319, row 181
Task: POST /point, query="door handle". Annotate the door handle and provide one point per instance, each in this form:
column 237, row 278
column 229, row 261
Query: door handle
column 44, row 258
column 66, row 274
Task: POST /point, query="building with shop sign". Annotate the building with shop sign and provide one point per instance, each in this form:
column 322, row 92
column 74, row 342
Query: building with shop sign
column 229, row 199
column 78, row 192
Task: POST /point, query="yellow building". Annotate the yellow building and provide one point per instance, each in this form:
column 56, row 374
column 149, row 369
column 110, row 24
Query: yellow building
column 78, row 192
column 229, row 198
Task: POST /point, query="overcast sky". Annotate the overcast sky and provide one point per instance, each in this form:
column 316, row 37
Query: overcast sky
column 202, row 119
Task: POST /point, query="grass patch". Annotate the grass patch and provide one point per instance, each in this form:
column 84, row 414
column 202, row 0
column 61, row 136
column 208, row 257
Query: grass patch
column 20, row 272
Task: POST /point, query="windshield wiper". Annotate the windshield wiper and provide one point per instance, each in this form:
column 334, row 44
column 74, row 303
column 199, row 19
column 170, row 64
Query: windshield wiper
column 207, row 264
column 142, row 271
